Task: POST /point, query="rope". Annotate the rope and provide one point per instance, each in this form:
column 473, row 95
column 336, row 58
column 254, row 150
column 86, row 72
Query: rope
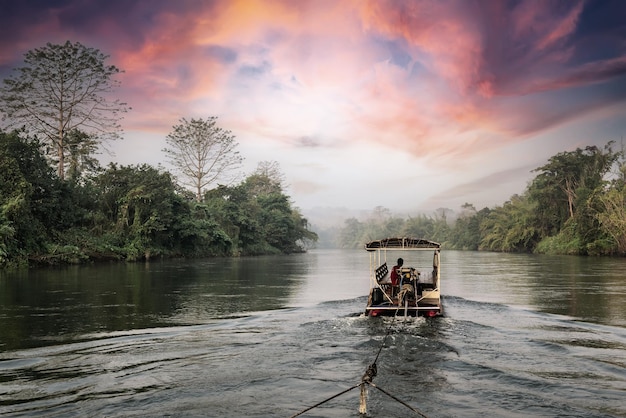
column 386, row 335
column 397, row 399
column 371, row 371
column 326, row 400
column 367, row 378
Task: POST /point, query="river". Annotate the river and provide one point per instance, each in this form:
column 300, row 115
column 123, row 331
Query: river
column 523, row 335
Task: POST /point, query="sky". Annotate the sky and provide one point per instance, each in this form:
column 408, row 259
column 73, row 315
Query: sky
column 409, row 105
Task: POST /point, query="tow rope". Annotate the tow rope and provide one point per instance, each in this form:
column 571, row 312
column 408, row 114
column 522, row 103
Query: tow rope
column 367, row 380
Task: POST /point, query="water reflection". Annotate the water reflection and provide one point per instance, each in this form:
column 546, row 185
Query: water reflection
column 590, row 288
column 45, row 306
column 587, row 288
column 225, row 287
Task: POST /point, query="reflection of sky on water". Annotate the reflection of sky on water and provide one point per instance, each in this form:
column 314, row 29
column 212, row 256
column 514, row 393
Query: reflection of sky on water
column 588, row 288
column 336, row 275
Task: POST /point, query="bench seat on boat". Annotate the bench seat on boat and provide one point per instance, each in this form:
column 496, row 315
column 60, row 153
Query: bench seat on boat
column 381, row 272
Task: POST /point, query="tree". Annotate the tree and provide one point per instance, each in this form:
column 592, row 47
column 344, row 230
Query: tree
column 611, row 213
column 202, row 153
column 27, row 196
column 351, row 233
column 267, row 178
column 60, row 89
column 80, row 148
column 613, row 217
column 140, row 209
column 237, row 214
column 258, row 217
column 569, row 174
column 419, row 226
column 466, row 234
column 499, row 229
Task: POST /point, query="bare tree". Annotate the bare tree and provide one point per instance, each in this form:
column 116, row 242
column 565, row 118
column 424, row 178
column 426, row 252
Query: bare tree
column 267, row 178
column 203, row 153
column 63, row 88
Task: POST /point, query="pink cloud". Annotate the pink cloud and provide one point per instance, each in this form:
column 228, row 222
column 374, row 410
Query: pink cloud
column 291, row 70
column 546, row 22
column 439, row 33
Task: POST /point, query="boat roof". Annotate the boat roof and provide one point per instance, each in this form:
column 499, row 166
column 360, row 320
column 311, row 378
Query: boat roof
column 402, row 243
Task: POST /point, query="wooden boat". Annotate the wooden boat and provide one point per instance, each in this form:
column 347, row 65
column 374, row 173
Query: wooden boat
column 416, row 292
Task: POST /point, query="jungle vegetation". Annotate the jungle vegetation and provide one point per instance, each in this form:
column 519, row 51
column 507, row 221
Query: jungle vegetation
column 57, row 205
column 134, row 213
column 576, row 204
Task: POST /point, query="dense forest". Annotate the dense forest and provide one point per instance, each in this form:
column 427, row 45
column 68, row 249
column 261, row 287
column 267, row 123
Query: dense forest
column 133, row 213
column 576, row 204
column 58, row 205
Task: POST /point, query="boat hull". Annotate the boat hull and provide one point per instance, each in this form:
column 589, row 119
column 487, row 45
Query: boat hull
column 426, row 307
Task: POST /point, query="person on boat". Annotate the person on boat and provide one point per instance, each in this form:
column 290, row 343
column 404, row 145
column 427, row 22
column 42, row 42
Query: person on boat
column 395, row 273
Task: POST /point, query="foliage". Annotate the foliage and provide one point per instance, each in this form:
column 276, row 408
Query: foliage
column 28, row 198
column 467, row 231
column 566, row 192
column 139, row 212
column 80, row 150
column 142, row 212
column 355, row 233
column 611, row 210
column 258, row 217
column 565, row 242
column 62, row 89
column 510, row 227
column 133, row 213
column 570, row 207
column 563, row 184
column 202, row 153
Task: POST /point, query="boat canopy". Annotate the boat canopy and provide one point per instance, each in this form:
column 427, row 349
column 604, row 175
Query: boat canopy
column 402, row 244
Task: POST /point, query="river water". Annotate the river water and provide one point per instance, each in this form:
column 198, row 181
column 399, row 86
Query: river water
column 523, row 335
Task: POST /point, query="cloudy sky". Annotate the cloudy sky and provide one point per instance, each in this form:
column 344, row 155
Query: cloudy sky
column 409, row 105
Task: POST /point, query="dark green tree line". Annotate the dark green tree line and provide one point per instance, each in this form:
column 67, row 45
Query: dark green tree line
column 134, row 213
column 570, row 207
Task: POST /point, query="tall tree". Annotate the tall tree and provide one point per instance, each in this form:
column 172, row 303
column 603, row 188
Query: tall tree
column 80, row 150
column 611, row 213
column 267, row 178
column 202, row 153
column 62, row 88
column 612, row 217
column 561, row 188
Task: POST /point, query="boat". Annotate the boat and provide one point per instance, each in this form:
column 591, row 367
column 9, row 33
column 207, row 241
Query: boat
column 415, row 289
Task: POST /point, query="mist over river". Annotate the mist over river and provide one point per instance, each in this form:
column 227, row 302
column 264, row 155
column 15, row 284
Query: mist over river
column 523, row 335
